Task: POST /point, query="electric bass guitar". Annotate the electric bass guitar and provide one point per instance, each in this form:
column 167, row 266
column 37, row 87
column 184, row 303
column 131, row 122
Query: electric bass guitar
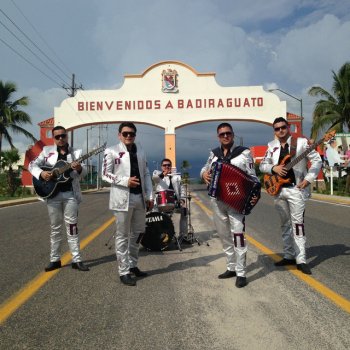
column 60, row 174
column 273, row 183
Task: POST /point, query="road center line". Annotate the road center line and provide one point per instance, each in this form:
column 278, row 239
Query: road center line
column 8, row 307
column 312, row 282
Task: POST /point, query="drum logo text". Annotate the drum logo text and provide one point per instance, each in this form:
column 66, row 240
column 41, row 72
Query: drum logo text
column 154, row 219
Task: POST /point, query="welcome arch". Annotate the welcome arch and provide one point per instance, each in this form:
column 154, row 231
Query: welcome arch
column 169, row 95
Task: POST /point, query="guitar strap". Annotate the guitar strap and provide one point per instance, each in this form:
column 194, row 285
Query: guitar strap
column 293, row 147
column 235, row 153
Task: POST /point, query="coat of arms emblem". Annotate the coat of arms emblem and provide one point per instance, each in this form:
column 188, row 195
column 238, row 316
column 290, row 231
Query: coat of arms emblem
column 169, row 80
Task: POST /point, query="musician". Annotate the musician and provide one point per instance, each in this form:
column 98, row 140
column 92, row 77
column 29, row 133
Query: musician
column 230, row 224
column 63, row 204
column 290, row 201
column 125, row 168
column 165, row 180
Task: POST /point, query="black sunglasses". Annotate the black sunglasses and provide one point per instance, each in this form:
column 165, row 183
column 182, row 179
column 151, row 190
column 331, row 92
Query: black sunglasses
column 128, row 134
column 168, row 165
column 60, row 136
column 224, row 134
column 284, row 127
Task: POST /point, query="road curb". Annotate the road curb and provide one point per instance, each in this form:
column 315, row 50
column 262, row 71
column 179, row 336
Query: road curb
column 10, row 203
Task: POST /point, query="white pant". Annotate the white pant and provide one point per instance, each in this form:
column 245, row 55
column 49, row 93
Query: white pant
column 230, row 227
column 129, row 226
column 64, row 208
column 290, row 205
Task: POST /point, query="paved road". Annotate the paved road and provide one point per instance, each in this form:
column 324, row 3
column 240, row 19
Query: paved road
column 182, row 304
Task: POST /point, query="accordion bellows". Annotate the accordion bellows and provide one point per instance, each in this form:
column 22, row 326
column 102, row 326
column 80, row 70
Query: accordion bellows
column 233, row 186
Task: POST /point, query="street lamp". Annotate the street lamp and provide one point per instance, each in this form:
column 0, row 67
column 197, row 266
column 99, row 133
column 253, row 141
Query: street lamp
column 298, row 99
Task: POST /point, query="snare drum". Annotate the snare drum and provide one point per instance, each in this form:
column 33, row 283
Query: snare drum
column 165, row 200
column 159, row 231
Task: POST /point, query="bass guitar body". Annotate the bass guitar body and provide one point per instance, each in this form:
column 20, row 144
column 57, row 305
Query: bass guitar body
column 274, row 182
column 46, row 189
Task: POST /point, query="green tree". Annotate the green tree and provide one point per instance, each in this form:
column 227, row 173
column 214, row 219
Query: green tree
column 8, row 160
column 12, row 118
column 185, row 166
column 333, row 111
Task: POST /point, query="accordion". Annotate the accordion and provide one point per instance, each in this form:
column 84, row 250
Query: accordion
column 233, row 186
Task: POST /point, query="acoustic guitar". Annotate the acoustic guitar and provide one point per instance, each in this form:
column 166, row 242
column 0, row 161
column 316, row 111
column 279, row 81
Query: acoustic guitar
column 61, row 174
column 274, row 182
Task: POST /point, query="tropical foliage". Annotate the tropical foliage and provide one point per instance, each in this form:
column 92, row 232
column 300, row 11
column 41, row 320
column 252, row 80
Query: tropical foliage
column 12, row 118
column 333, row 110
column 8, row 160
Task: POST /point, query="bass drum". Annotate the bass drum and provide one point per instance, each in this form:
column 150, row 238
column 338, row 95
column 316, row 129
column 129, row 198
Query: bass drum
column 159, row 231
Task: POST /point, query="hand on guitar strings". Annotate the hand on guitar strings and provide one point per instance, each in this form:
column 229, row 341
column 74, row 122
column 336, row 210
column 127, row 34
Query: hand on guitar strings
column 76, row 166
column 279, row 170
column 46, row 175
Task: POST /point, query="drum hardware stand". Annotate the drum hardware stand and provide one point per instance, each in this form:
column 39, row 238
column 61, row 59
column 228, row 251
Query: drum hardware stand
column 191, row 237
column 109, row 239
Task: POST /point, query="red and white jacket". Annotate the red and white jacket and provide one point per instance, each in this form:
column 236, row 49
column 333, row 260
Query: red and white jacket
column 116, row 171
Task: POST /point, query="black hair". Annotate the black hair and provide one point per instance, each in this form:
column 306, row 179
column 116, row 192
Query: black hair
column 224, row 125
column 128, row 125
column 58, row 127
column 279, row 120
column 167, row 160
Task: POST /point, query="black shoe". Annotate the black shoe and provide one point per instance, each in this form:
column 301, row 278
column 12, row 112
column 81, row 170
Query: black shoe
column 53, row 266
column 285, row 262
column 227, row 274
column 127, row 280
column 137, row 272
column 241, row 282
column 80, row 266
column 304, row 268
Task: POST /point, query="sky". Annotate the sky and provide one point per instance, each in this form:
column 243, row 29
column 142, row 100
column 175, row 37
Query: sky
column 290, row 45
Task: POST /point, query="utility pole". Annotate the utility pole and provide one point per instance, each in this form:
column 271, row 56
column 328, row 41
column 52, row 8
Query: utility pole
column 99, row 159
column 72, row 90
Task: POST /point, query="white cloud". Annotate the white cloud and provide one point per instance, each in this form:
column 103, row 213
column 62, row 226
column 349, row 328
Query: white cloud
column 307, row 55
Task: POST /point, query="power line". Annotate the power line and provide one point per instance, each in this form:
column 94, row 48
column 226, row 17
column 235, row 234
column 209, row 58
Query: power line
column 41, row 37
column 29, row 49
column 38, row 69
column 33, row 43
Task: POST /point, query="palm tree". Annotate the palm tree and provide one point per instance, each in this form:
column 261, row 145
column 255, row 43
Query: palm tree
column 332, row 112
column 11, row 117
column 8, row 160
column 185, row 166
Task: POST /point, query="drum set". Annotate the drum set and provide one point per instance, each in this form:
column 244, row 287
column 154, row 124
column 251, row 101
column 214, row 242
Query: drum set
column 160, row 231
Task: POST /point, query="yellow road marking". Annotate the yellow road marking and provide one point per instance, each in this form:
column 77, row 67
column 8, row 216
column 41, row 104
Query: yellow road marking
column 312, row 282
column 13, row 303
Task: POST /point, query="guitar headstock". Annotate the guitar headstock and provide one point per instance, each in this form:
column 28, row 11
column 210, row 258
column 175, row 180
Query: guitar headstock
column 329, row 135
column 99, row 149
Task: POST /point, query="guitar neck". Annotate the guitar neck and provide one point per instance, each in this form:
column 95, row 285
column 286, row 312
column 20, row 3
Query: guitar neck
column 303, row 155
column 82, row 158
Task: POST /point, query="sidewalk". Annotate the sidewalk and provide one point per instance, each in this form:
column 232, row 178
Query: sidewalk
column 331, row 199
column 12, row 202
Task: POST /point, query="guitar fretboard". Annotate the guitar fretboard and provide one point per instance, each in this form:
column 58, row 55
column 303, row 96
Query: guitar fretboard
column 303, row 155
column 82, row 158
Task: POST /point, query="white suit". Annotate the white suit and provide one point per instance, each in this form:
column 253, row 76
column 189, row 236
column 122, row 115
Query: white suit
column 290, row 201
column 64, row 205
column 129, row 209
column 230, row 224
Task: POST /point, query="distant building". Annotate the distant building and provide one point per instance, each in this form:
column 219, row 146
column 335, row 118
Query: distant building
column 33, row 151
